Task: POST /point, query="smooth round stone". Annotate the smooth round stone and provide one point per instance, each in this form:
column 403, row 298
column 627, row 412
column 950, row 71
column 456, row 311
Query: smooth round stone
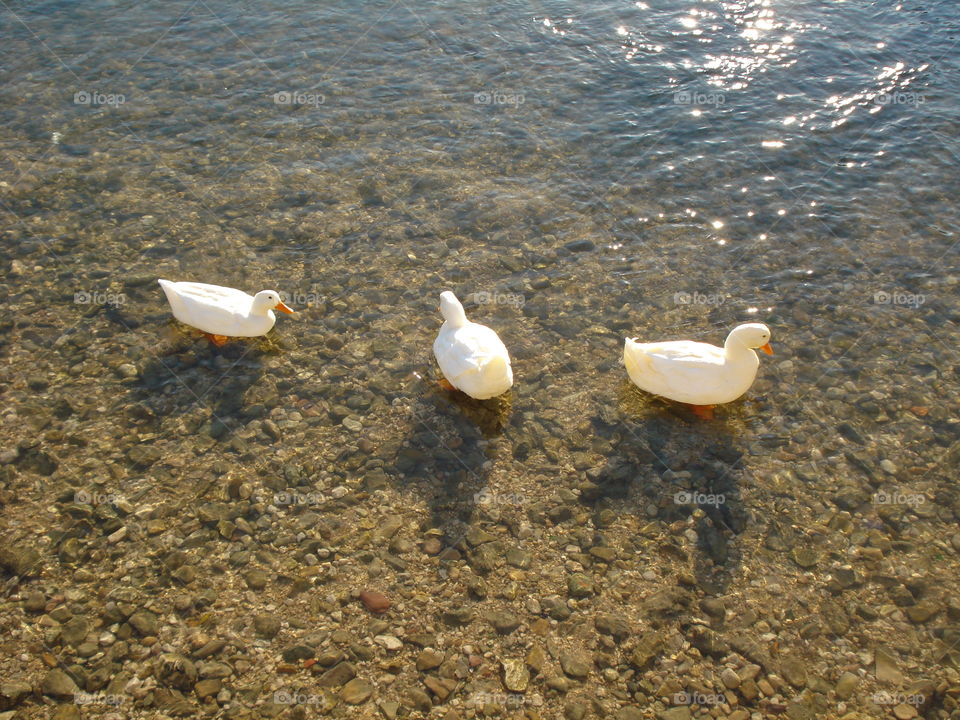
column 390, row 642
column 356, row 691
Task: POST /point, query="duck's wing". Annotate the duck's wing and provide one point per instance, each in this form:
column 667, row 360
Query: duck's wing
column 468, row 349
column 213, row 297
column 680, row 366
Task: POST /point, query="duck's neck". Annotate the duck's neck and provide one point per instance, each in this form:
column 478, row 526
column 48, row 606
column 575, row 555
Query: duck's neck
column 737, row 352
column 454, row 315
column 457, row 320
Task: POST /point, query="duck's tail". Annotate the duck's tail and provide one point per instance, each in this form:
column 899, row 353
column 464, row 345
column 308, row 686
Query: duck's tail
column 630, row 353
column 172, row 297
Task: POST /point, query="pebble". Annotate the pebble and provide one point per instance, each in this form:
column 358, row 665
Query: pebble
column 266, row 626
column 579, row 586
column 846, row 685
column 144, row 622
column 794, row 670
column 903, row 711
column 375, row 602
column 389, row 642
column 356, row 691
column 429, row 659
column 338, row 675
column 58, row 684
column 126, row 370
column 885, row 667
column 516, row 676
column 575, row 664
column 730, row 678
column 256, row 579
column 503, row 622
column 676, row 713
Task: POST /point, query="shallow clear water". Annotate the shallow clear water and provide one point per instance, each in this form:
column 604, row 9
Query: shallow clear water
column 784, row 162
column 656, row 169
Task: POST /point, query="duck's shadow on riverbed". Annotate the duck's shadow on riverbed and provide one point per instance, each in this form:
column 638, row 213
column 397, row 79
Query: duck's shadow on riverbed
column 185, row 372
column 446, row 451
column 697, row 465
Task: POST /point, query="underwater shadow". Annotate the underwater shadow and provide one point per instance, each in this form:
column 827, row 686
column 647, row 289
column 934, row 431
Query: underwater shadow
column 444, row 455
column 697, row 465
column 186, row 372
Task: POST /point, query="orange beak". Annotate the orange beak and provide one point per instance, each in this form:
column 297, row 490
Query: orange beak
column 283, row 308
column 767, row 349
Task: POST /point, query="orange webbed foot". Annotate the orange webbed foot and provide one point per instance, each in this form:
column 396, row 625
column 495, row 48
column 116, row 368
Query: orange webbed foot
column 218, row 340
column 445, row 385
column 704, row 412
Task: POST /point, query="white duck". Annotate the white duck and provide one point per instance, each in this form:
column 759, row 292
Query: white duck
column 697, row 373
column 222, row 312
column 471, row 356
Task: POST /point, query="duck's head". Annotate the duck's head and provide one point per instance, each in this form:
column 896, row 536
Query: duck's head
column 451, row 309
column 751, row 335
column 269, row 300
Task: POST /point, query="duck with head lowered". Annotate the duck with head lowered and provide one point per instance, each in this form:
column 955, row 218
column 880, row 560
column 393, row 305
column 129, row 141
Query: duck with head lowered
column 696, row 373
column 221, row 312
column 471, row 356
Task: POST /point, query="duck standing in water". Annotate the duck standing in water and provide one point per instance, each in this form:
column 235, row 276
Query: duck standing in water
column 221, row 312
column 696, row 373
column 471, row 356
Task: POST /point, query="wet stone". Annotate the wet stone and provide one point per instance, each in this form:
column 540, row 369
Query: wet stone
column 429, row 659
column 794, row 671
column 516, row 676
column 730, row 678
column 208, row 687
column 440, row 687
column 519, row 558
column 458, row 616
column 579, row 586
column 583, row 245
column 612, row 625
column 12, row 692
column 503, row 622
column 35, row 602
column 677, row 713
column 294, row 653
column 419, row 700
column 266, row 626
column 375, row 602
column 846, row 685
column 58, row 684
column 74, row 631
column 556, row 607
column 143, row 456
column 66, row 712
column 144, row 622
column 338, row 675
column 575, row 664
column 256, row 579
column 886, row 667
column 805, row 557
column 356, row 691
